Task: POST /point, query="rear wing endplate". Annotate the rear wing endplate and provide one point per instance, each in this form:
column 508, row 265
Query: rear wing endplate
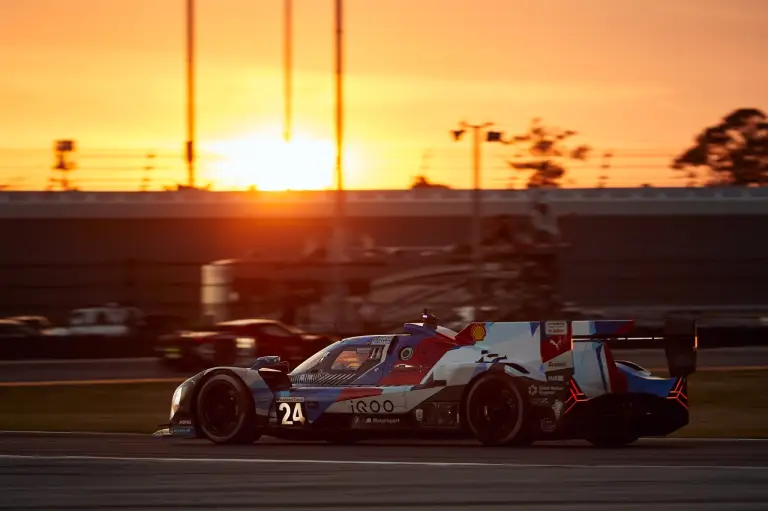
column 679, row 337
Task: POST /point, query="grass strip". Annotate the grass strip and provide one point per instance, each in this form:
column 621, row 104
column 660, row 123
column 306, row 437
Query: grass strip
column 723, row 404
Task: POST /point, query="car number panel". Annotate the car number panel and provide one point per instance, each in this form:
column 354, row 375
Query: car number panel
column 290, row 412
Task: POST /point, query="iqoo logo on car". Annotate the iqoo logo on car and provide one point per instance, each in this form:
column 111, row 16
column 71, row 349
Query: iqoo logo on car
column 373, row 406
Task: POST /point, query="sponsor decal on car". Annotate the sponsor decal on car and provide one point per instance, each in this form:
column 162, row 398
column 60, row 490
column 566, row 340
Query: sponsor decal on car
column 556, row 328
column 537, row 389
column 376, row 422
column 372, row 406
column 548, row 425
column 557, row 408
column 478, row 332
column 290, row 399
column 384, row 421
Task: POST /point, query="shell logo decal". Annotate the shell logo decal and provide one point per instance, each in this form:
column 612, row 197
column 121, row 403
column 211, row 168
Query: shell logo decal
column 478, row 332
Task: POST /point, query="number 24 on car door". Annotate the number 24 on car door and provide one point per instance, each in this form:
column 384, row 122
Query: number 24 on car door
column 290, row 411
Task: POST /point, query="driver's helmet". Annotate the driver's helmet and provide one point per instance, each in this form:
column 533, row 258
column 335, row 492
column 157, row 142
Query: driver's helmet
column 429, row 319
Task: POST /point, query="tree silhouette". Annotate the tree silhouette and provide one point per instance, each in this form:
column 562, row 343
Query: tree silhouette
column 545, row 154
column 734, row 152
column 420, row 182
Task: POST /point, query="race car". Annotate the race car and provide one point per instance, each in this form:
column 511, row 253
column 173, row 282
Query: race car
column 237, row 343
column 504, row 383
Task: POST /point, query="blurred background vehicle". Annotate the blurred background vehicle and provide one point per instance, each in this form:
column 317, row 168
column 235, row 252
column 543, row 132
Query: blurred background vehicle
column 111, row 320
column 238, row 343
column 12, row 330
column 38, row 323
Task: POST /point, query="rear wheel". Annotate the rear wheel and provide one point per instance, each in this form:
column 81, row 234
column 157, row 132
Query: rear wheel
column 612, row 427
column 225, row 411
column 496, row 412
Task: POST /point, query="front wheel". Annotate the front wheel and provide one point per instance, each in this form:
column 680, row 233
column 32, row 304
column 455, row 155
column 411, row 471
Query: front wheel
column 496, row 412
column 225, row 411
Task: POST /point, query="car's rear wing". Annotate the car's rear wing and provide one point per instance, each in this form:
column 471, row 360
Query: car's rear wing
column 679, row 338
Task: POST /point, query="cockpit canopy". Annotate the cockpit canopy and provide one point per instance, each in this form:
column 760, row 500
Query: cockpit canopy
column 342, row 361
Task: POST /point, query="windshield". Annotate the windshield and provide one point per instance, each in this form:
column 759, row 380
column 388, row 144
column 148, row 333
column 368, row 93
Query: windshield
column 314, row 360
column 352, row 359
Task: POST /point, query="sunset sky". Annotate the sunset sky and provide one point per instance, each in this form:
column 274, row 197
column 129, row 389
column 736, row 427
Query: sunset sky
column 640, row 78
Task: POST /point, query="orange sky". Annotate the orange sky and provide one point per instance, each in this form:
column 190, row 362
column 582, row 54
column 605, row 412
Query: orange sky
column 639, row 77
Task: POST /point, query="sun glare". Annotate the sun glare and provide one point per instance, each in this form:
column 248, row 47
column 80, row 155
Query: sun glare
column 271, row 164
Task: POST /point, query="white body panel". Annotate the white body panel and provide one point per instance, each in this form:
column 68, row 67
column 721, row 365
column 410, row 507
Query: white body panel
column 591, row 368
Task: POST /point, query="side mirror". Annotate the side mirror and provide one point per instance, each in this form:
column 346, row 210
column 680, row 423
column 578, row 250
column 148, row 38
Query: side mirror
column 270, row 361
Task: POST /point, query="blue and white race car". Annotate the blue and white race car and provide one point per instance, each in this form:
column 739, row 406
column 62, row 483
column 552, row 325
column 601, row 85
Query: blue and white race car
column 501, row 383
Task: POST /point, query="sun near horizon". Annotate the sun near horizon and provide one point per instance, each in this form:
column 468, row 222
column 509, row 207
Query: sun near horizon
column 270, row 163
column 110, row 74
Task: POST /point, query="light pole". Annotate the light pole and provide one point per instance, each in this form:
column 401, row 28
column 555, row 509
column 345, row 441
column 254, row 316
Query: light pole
column 288, row 69
column 339, row 222
column 190, row 145
column 477, row 213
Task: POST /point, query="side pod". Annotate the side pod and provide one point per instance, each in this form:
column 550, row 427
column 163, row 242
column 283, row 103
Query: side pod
column 275, row 379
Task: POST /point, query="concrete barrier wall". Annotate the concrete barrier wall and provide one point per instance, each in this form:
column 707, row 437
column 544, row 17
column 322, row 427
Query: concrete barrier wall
column 618, row 260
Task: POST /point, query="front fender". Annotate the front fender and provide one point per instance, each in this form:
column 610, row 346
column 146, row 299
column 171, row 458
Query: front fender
column 184, row 415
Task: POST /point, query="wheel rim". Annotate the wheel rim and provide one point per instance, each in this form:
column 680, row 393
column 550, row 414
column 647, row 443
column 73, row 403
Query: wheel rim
column 220, row 409
column 494, row 411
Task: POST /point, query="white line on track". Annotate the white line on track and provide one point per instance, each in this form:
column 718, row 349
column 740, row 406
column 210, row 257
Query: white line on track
column 114, row 381
column 84, row 361
column 77, row 433
column 377, row 463
column 704, row 439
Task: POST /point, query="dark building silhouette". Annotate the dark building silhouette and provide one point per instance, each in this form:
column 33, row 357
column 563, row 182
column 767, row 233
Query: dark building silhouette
column 640, row 246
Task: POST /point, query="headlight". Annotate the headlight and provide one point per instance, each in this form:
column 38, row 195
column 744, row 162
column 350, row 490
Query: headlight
column 178, row 395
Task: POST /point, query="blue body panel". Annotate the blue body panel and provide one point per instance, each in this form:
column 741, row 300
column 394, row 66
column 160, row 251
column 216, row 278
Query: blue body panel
column 642, row 384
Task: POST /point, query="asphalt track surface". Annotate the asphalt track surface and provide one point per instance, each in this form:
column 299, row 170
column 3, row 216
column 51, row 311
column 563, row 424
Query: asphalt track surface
column 86, row 472
column 150, row 368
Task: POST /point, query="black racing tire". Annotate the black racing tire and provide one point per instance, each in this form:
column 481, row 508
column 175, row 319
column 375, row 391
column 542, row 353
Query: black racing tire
column 612, row 428
column 225, row 411
column 496, row 412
